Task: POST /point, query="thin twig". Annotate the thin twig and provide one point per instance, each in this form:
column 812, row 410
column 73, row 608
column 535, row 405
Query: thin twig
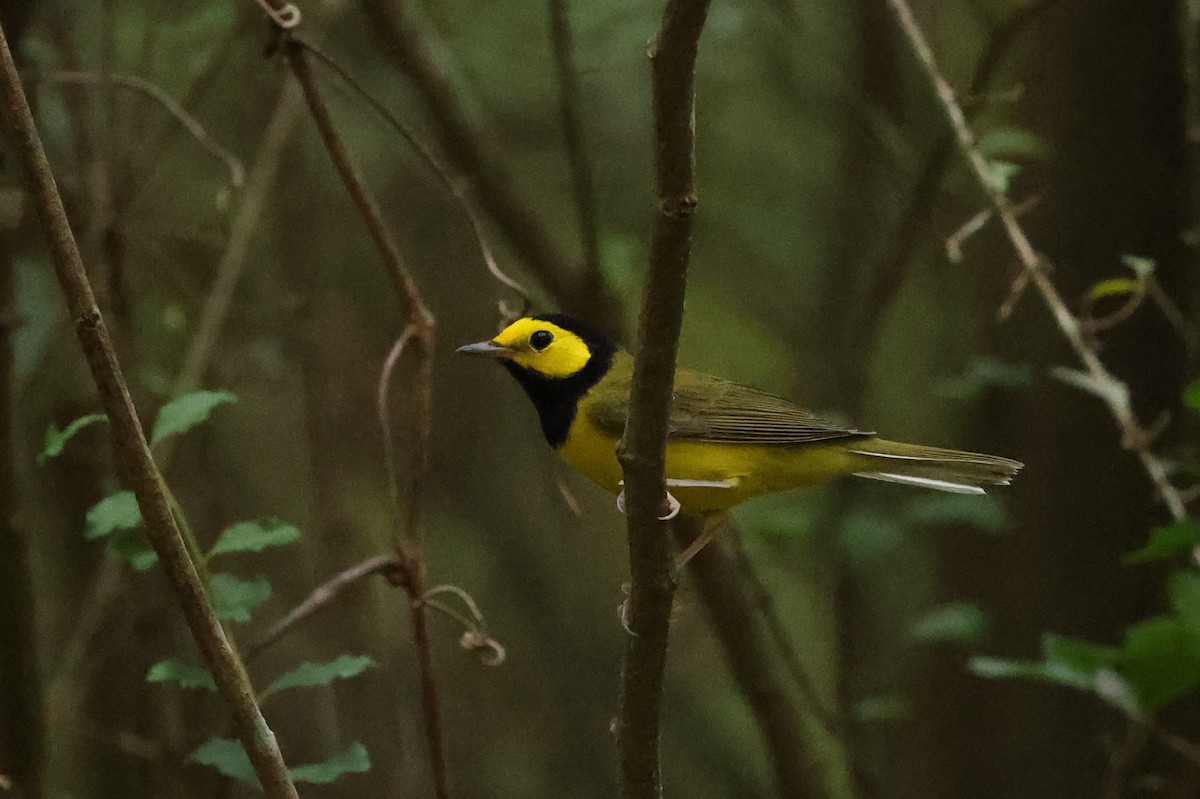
column 420, row 335
column 237, row 172
column 530, row 238
column 1116, row 393
column 131, row 448
column 562, row 39
column 642, row 450
column 457, row 188
column 320, row 597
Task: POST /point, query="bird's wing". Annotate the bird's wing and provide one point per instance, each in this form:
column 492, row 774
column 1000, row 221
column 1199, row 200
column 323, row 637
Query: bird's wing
column 706, row 408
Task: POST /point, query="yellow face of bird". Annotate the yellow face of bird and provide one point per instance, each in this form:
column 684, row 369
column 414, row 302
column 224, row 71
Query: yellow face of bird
column 543, row 347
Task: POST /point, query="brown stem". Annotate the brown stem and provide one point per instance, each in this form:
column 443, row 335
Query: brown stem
column 420, row 334
column 642, row 450
column 1101, row 382
column 131, row 448
column 321, row 596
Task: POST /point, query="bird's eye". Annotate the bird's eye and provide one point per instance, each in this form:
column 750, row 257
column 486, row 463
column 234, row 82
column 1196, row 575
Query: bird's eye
column 541, row 339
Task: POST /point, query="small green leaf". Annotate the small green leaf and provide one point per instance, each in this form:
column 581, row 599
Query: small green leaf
column 117, row 512
column 254, row 537
column 1116, row 287
column 1141, row 266
column 1000, row 174
column 354, row 760
column 235, row 599
column 1001, row 668
column 1012, row 142
column 1160, row 658
column 1191, row 395
column 982, row 375
column 228, row 757
column 132, row 547
column 183, row 674
column 308, row 675
column 185, row 412
column 1167, row 542
column 57, row 439
column 1082, row 656
column 957, row 621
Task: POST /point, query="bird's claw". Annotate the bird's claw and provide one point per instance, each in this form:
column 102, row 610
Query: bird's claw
column 671, row 502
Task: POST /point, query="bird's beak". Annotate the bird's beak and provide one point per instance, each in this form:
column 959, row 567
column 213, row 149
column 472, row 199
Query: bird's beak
column 486, row 348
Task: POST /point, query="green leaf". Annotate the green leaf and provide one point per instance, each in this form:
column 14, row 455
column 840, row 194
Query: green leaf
column 1184, row 590
column 354, row 760
column 1000, row 174
column 234, row 599
column 1191, row 395
column 185, row 412
column 228, row 757
column 1167, row 542
column 183, row 674
column 957, row 621
column 1011, row 142
column 1001, row 668
column 1083, row 656
column 1160, row 658
column 1141, row 266
column 882, row 708
column 57, row 439
column 982, row 375
column 985, row 513
column 117, row 512
column 308, row 675
column 254, row 537
column 132, row 547
column 870, row 535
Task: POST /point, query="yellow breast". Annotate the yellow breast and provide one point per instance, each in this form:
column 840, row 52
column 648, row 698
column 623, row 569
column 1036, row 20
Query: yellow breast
column 749, row 469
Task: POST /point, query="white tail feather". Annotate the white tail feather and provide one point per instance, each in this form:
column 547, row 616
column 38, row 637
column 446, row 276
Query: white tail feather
column 923, row 482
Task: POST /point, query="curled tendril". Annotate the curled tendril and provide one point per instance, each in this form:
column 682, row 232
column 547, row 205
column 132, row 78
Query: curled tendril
column 475, row 637
column 287, row 16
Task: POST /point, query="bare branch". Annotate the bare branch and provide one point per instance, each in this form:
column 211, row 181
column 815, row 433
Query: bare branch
column 131, row 448
column 320, row 597
column 1116, row 394
column 456, row 187
column 642, row 451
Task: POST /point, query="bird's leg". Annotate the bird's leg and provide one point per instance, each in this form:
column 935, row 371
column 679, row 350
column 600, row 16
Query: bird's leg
column 711, row 525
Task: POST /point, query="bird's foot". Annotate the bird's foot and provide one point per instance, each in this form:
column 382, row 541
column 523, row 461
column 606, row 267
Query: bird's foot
column 671, row 501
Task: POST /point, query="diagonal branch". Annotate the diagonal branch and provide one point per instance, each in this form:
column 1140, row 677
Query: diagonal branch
column 420, row 334
column 131, row 449
column 1105, row 385
column 642, row 451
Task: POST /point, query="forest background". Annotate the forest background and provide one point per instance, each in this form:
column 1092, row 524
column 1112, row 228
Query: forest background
column 843, row 256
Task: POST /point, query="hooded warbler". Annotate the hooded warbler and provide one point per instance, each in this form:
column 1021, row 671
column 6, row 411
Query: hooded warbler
column 726, row 442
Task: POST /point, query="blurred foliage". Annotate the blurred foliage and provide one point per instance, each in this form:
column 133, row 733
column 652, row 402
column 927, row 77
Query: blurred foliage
column 828, row 192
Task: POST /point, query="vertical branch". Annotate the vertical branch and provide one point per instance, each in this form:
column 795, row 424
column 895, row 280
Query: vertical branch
column 642, row 451
column 562, row 39
column 419, row 334
column 132, row 451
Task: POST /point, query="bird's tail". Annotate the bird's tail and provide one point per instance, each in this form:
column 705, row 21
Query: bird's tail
column 931, row 467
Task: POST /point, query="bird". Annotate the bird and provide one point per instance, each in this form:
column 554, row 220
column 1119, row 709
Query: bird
column 726, row 442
